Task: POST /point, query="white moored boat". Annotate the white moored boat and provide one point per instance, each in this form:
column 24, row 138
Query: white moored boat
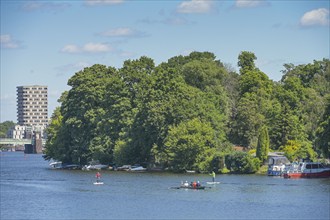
column 137, row 169
column 276, row 165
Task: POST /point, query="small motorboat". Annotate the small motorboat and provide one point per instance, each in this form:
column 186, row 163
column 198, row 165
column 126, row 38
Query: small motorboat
column 277, row 165
column 190, row 171
column 137, row 169
column 95, row 165
column 56, row 165
column 60, row 165
column 124, row 168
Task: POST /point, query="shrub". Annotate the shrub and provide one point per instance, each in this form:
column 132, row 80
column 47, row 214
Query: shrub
column 241, row 162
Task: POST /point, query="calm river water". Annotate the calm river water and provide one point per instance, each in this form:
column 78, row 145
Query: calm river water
column 30, row 190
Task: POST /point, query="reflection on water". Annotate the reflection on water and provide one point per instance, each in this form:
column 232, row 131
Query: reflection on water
column 30, row 190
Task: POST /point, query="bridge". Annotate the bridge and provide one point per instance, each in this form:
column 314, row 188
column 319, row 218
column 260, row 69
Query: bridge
column 11, row 141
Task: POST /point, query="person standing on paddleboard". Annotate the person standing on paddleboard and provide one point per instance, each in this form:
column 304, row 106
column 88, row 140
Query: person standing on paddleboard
column 98, row 176
column 213, row 176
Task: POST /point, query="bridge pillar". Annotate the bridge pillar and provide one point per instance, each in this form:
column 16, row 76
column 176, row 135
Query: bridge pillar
column 36, row 146
column 28, row 149
column 37, row 142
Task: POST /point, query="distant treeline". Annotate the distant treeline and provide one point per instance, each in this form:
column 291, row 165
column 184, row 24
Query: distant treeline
column 188, row 112
column 4, row 127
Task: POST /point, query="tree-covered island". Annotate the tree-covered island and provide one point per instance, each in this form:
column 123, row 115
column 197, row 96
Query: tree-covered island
column 188, row 112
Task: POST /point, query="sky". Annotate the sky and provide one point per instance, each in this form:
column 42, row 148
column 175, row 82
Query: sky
column 47, row 42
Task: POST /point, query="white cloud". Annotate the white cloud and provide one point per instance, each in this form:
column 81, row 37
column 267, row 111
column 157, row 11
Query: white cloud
column 123, row 32
column 31, row 6
column 87, row 48
column 317, row 17
column 48, row 6
column 119, row 32
column 8, row 42
column 249, row 3
column 103, row 2
column 96, row 48
column 70, row 48
column 173, row 20
column 195, row 6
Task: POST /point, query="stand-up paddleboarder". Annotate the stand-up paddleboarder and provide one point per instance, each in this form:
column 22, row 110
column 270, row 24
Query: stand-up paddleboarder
column 98, row 177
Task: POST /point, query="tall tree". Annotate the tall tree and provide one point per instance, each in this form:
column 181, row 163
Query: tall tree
column 190, row 146
column 254, row 106
column 246, row 61
column 263, row 145
column 323, row 132
column 82, row 110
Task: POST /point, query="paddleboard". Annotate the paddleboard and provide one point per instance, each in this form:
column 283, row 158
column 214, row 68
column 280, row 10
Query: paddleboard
column 212, row 182
column 98, row 183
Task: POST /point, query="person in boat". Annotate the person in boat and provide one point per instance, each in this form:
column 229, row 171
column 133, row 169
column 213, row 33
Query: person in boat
column 213, row 176
column 194, row 184
column 198, row 184
column 98, row 176
column 186, row 184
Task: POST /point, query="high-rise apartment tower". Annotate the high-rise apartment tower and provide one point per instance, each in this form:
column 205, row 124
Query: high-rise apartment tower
column 32, row 105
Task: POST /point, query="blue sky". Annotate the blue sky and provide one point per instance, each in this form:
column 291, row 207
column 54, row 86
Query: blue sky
column 46, row 42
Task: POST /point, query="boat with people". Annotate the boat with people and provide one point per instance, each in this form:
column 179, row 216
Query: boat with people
column 192, row 185
column 307, row 170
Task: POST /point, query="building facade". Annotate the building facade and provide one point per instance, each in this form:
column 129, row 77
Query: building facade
column 16, row 132
column 32, row 106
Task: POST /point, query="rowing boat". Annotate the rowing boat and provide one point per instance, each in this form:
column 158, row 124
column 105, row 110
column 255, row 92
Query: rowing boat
column 190, row 187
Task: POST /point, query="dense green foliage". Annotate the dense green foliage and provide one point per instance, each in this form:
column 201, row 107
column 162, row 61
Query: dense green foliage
column 4, row 127
column 241, row 162
column 188, row 112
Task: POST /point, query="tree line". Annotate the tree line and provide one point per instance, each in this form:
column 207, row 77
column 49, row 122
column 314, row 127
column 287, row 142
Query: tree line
column 4, row 127
column 188, row 112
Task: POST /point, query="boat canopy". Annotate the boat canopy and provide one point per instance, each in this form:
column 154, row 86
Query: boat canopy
column 278, row 160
